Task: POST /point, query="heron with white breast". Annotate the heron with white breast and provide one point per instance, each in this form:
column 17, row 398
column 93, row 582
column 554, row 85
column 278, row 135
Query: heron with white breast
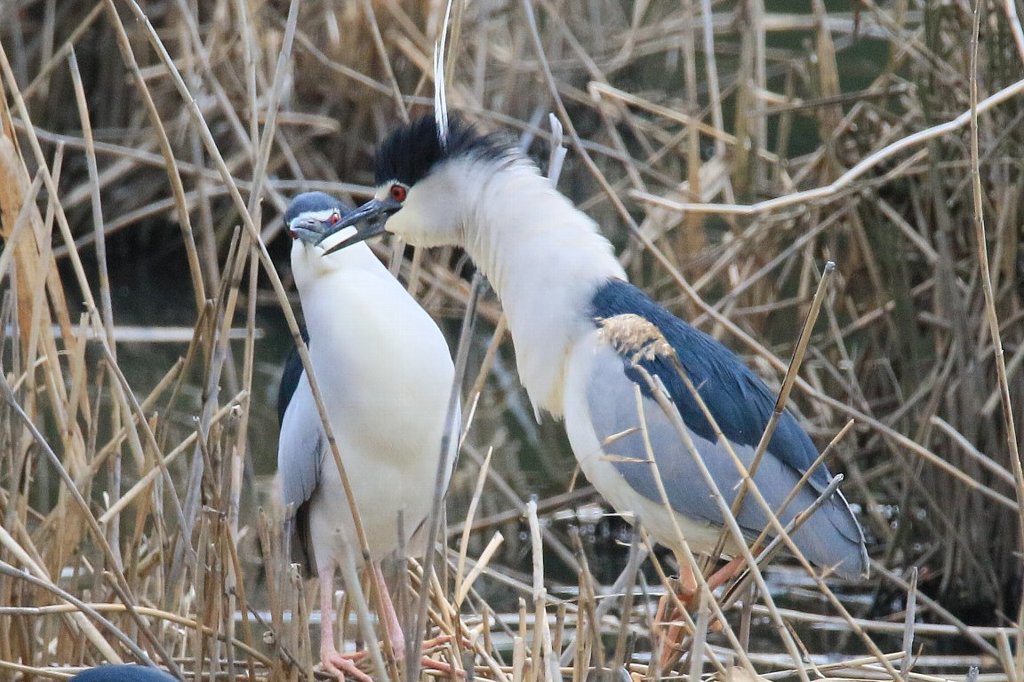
column 385, row 374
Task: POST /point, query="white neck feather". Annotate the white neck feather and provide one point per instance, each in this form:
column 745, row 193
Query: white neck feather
column 545, row 260
column 342, row 286
column 310, row 266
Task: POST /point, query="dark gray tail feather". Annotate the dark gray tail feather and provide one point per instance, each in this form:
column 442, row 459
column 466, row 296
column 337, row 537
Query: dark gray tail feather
column 298, row 541
column 832, row 538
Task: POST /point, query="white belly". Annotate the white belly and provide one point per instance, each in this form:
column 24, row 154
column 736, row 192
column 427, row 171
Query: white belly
column 392, row 501
column 385, row 373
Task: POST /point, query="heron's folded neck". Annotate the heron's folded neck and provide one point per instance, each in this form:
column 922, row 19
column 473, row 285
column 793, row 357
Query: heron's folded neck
column 545, row 259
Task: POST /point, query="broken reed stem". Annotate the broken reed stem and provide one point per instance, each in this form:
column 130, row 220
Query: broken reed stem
column 544, row 664
column 908, row 623
column 467, row 527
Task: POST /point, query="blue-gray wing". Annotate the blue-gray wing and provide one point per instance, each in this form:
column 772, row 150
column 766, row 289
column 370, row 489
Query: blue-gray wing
column 737, row 399
column 301, row 448
column 740, row 405
column 300, row 456
column 830, row 537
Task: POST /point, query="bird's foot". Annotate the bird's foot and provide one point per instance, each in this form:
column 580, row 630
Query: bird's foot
column 687, row 594
column 345, row 664
column 342, row 665
column 429, row 663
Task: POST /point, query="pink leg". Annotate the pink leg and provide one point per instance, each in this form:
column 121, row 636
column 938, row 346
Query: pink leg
column 726, row 573
column 334, row 663
column 390, row 616
column 687, row 594
column 394, row 628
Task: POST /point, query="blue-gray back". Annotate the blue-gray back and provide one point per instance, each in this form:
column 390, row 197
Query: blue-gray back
column 737, row 399
column 290, row 378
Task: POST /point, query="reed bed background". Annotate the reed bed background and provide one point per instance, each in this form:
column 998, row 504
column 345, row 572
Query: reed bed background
column 727, row 148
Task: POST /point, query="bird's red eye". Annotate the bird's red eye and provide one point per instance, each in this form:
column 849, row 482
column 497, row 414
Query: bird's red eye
column 333, row 218
column 399, row 192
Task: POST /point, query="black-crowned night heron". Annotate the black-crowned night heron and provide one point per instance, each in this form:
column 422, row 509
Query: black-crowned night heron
column 590, row 347
column 385, row 374
column 122, row 673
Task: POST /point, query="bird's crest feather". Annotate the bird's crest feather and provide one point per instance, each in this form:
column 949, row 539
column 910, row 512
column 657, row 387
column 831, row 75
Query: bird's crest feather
column 440, row 95
column 413, row 150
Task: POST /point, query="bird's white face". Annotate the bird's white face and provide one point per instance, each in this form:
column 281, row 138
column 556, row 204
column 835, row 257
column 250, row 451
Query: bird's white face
column 430, row 187
column 433, row 211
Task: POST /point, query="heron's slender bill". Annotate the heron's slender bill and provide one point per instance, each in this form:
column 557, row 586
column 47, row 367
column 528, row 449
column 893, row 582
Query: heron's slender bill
column 369, row 221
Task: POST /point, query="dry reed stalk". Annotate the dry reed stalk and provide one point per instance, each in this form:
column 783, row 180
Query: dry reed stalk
column 991, row 314
column 780, row 403
column 736, row 535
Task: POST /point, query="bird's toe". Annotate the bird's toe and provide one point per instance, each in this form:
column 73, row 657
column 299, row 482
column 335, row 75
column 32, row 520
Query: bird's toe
column 344, row 665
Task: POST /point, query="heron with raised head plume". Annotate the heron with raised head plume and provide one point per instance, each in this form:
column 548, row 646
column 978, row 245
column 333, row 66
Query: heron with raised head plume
column 593, row 350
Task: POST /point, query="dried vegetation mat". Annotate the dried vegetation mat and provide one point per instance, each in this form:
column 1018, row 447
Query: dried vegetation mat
column 727, row 148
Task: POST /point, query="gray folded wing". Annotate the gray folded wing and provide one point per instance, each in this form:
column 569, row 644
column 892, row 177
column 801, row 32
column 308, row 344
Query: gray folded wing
column 300, row 456
column 831, row 537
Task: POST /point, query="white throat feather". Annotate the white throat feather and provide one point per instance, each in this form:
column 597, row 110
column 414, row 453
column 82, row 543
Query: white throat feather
column 545, row 259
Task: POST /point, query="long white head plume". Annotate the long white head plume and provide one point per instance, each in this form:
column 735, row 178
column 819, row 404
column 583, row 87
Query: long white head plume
column 440, row 97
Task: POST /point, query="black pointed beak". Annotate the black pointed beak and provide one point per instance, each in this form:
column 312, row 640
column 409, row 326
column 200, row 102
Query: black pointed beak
column 369, row 221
